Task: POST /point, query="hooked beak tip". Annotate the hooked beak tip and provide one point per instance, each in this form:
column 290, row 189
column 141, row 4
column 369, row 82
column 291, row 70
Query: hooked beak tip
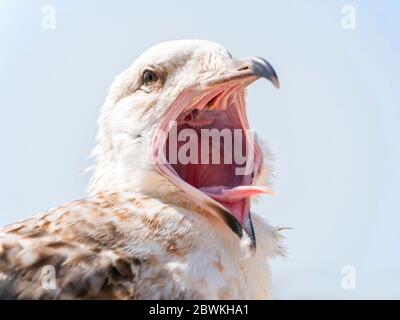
column 246, row 71
column 275, row 82
column 263, row 69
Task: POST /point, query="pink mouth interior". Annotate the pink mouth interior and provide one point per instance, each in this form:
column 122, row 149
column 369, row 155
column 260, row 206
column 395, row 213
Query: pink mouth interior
column 220, row 181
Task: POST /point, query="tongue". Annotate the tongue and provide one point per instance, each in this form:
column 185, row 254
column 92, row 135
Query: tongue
column 234, row 194
column 234, row 199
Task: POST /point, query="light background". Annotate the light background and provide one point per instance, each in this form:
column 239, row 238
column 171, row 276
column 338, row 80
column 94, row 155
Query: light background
column 334, row 124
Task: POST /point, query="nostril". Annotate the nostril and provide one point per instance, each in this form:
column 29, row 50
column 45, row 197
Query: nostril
column 243, row 68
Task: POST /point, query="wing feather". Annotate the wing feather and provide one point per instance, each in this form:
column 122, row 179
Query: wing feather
column 89, row 246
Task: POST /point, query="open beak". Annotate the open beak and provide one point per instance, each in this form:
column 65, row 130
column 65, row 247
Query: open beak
column 223, row 97
column 246, row 71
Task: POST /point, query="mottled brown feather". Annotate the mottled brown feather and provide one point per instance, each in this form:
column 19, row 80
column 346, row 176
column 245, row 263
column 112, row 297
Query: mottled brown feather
column 85, row 242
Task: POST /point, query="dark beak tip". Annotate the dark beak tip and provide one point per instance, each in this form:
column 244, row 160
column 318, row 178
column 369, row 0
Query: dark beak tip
column 262, row 68
column 275, row 82
column 232, row 223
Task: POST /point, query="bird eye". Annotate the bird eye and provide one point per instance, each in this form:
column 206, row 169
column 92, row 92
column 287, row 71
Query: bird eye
column 149, row 77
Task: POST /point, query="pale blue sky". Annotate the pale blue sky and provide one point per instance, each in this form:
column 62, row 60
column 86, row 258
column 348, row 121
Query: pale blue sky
column 334, row 124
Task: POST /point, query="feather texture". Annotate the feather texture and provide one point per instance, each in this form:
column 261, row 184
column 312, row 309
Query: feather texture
column 130, row 246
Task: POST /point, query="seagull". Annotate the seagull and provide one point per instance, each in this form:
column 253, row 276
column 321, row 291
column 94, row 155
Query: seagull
column 153, row 226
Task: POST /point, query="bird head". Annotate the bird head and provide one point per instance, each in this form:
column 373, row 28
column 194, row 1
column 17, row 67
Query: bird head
column 174, row 126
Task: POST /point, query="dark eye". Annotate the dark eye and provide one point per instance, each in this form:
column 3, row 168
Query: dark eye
column 149, row 77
